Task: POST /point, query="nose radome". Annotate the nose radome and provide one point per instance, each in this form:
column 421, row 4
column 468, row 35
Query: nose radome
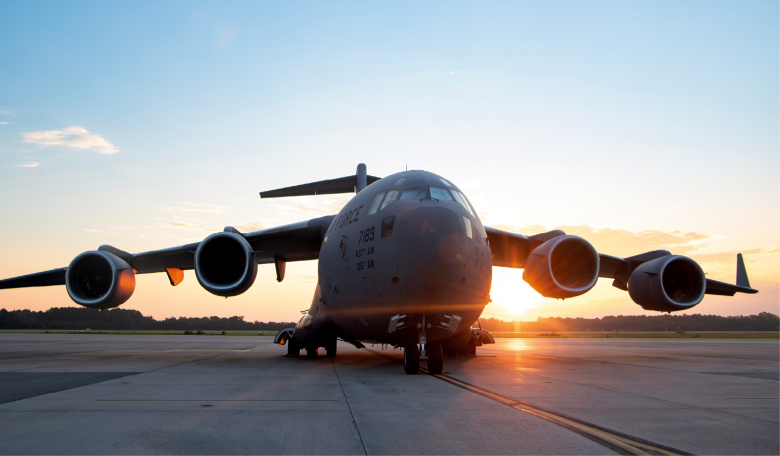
column 432, row 246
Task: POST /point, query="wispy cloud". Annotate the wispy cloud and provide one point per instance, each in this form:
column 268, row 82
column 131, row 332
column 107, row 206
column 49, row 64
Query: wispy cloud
column 27, row 165
column 625, row 243
column 3, row 123
column 5, row 111
column 254, row 226
column 306, row 278
column 226, row 37
column 179, row 224
column 198, row 207
column 316, row 205
column 74, row 137
column 456, row 72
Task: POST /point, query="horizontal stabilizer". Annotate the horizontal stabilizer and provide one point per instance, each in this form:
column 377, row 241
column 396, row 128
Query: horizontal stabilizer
column 347, row 184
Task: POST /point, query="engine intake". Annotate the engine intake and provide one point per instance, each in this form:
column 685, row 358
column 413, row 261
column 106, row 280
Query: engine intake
column 225, row 264
column 563, row 267
column 667, row 284
column 99, row 280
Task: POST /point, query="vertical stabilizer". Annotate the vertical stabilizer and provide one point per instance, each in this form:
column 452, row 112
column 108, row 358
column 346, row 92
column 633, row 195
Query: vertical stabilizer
column 362, row 178
column 742, row 278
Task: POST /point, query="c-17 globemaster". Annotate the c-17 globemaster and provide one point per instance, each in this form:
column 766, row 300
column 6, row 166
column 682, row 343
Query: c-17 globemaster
column 407, row 262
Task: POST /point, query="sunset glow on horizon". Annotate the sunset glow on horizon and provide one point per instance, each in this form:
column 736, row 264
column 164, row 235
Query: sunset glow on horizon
column 637, row 126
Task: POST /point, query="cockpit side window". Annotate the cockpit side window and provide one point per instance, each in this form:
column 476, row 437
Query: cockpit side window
column 375, row 204
column 441, row 194
column 459, row 198
column 391, row 196
column 468, row 205
column 416, row 193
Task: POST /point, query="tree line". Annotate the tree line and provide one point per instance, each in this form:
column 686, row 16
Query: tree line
column 764, row 321
column 80, row 318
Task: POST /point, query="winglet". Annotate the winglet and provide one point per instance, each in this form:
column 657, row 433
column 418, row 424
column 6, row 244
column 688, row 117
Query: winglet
column 742, row 278
column 726, row 289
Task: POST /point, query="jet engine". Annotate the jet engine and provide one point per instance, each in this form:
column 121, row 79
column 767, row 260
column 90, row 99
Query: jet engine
column 225, row 264
column 563, row 267
column 99, row 280
column 667, row 284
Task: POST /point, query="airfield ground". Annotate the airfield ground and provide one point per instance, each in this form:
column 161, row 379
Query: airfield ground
column 497, row 334
column 119, row 394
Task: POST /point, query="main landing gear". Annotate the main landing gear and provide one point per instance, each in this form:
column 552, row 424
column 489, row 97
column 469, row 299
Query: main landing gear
column 432, row 352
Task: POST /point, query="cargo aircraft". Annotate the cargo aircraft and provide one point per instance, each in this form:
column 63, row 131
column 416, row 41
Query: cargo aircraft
column 407, row 262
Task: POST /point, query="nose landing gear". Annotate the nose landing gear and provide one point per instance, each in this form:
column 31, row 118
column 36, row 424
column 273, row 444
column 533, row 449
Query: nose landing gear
column 434, row 354
column 411, row 359
column 435, row 358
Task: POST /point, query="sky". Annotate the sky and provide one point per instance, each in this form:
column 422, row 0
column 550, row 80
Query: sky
column 145, row 125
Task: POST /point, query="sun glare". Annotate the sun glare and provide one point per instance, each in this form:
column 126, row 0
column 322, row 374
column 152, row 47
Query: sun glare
column 512, row 297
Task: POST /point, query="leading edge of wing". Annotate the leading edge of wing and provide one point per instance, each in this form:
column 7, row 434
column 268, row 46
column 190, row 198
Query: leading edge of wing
column 294, row 242
column 298, row 241
column 38, row 279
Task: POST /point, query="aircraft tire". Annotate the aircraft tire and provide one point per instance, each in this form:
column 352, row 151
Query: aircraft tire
column 293, row 349
column 471, row 347
column 330, row 350
column 411, row 359
column 311, row 352
column 435, row 358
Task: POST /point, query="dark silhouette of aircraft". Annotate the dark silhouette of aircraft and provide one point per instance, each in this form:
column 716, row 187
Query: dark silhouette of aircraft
column 407, row 262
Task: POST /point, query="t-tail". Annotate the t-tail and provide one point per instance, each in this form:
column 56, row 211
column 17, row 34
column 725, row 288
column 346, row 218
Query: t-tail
column 346, row 184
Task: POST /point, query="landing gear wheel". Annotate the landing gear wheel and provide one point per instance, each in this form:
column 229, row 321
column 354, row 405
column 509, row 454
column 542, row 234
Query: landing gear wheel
column 293, row 349
column 311, row 352
column 411, row 359
column 435, row 358
column 471, row 347
column 330, row 350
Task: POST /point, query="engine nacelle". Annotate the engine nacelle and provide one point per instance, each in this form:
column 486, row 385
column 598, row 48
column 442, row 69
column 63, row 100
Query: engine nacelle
column 99, row 280
column 667, row 284
column 225, row 264
column 563, row 267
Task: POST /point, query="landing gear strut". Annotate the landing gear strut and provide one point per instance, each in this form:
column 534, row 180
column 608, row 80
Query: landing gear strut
column 411, row 359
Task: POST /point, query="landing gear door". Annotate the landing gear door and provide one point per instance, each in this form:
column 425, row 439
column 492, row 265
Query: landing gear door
column 333, row 293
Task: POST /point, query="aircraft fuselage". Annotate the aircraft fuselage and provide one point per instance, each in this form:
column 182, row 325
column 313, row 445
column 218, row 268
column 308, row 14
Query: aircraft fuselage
column 405, row 254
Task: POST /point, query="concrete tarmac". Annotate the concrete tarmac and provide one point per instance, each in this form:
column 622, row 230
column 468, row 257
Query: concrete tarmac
column 113, row 394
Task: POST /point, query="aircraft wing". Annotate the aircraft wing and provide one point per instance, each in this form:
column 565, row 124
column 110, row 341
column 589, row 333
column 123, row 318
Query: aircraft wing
column 513, row 250
column 295, row 242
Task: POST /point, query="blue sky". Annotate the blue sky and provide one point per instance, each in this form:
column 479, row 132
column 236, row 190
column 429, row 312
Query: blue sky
column 630, row 116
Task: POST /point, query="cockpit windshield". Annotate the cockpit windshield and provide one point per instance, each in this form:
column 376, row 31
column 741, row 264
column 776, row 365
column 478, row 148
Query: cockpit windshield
column 416, row 193
column 441, row 194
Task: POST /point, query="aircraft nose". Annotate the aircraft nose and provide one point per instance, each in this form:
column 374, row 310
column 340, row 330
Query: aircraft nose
column 432, row 243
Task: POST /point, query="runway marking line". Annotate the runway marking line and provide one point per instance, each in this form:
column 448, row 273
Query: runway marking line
column 620, row 443
column 216, row 400
column 754, row 398
column 206, row 350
